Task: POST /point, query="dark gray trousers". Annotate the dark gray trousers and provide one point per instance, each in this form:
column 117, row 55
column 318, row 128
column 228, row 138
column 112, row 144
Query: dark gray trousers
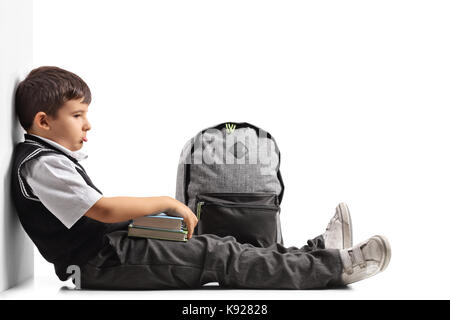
column 139, row 263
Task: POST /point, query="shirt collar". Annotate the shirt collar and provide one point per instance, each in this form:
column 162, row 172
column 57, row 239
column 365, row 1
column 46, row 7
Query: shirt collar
column 78, row 155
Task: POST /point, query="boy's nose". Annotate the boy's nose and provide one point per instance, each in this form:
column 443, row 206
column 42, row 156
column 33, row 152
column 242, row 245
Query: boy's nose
column 87, row 126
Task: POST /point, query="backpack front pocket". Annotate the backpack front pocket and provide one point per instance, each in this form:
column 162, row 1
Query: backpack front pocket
column 249, row 217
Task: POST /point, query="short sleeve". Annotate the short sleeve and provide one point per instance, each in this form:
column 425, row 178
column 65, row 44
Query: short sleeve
column 61, row 189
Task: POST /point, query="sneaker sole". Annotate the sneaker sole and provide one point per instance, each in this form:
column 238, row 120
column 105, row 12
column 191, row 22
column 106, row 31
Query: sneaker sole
column 347, row 233
column 387, row 257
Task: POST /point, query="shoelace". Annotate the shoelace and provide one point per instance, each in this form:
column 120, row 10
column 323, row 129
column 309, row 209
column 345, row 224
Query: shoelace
column 353, row 257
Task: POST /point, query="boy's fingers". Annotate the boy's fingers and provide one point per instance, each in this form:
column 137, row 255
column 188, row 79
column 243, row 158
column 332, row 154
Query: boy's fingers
column 191, row 221
column 193, row 224
column 190, row 229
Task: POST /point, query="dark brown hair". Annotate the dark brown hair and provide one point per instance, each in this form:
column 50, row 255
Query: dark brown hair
column 47, row 89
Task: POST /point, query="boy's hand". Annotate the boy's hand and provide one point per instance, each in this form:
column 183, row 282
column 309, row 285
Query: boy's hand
column 179, row 209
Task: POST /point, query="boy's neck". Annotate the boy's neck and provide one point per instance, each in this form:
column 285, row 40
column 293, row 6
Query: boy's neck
column 38, row 134
column 78, row 155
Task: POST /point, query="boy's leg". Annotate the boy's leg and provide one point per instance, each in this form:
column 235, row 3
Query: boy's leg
column 311, row 245
column 337, row 235
column 138, row 263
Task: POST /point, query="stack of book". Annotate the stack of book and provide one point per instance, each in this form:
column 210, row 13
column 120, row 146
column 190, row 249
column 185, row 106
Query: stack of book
column 158, row 226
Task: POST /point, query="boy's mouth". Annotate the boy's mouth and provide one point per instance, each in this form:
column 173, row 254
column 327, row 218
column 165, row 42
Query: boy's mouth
column 85, row 139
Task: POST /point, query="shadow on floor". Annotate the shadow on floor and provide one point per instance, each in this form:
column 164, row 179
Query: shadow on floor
column 211, row 286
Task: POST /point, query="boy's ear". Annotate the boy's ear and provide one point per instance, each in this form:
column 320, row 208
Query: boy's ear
column 41, row 120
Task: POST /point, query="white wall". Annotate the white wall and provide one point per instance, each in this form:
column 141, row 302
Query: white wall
column 16, row 249
column 356, row 94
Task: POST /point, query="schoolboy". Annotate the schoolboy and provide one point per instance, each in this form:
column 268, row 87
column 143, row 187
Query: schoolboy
column 72, row 223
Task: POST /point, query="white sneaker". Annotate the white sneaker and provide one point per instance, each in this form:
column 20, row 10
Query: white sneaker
column 339, row 233
column 365, row 259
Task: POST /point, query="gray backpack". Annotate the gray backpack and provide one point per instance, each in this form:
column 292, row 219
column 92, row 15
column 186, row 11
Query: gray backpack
column 229, row 175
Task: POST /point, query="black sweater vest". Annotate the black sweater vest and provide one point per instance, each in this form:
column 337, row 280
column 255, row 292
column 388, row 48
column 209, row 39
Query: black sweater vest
column 57, row 244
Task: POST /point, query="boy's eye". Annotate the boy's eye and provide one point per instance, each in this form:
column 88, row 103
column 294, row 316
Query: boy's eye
column 77, row 115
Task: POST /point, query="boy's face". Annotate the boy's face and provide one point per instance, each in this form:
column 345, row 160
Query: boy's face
column 70, row 125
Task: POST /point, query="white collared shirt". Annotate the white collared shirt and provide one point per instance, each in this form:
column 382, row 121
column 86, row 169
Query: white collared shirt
column 54, row 179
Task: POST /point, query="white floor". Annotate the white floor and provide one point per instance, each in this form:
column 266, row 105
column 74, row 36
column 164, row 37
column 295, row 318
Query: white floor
column 418, row 270
column 382, row 286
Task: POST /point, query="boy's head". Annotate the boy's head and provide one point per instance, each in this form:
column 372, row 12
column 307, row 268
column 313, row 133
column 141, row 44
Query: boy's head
column 53, row 103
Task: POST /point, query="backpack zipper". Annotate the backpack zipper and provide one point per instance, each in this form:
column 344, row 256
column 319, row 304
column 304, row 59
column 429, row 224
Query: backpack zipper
column 199, row 209
column 200, row 204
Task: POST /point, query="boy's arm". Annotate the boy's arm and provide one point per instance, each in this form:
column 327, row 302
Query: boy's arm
column 118, row 209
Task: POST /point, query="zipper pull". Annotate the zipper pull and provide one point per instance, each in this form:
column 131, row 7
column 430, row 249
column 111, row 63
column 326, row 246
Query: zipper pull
column 199, row 209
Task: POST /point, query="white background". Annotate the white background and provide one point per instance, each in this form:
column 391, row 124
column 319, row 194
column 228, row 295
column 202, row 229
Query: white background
column 16, row 54
column 356, row 94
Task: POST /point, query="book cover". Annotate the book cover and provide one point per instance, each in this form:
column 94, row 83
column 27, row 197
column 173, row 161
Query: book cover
column 156, row 233
column 160, row 220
